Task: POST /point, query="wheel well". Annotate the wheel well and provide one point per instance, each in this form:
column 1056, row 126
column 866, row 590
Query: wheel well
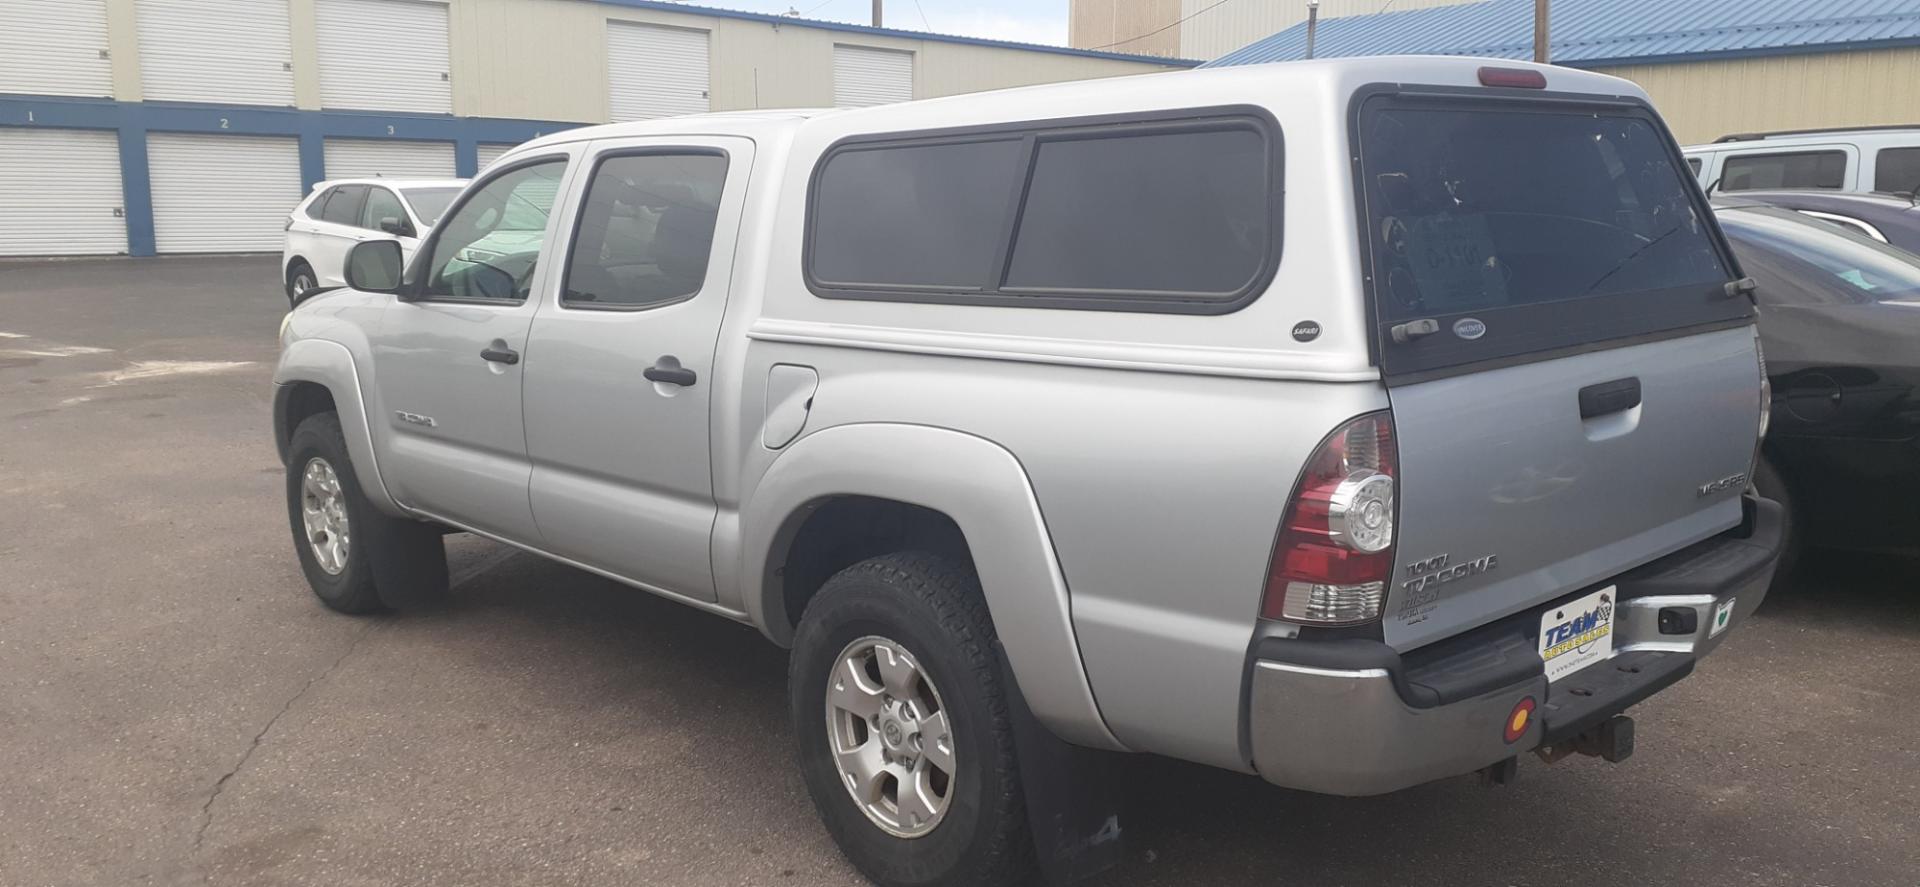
column 294, row 404
column 293, row 263
column 840, row 531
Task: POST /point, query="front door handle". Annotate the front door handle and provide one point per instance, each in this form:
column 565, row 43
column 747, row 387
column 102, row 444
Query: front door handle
column 507, row 356
column 668, row 370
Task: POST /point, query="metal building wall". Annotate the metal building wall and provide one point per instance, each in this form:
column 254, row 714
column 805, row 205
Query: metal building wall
column 755, row 63
column 1214, row 32
column 1704, row 100
column 1149, row 27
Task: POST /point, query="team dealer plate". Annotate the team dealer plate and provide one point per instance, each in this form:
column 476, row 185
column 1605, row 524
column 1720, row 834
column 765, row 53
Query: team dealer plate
column 1577, row 634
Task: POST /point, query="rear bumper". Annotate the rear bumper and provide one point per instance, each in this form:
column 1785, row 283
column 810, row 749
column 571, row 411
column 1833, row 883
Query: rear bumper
column 1353, row 717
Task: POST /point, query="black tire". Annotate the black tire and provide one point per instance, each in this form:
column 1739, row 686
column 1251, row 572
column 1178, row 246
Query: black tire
column 389, row 561
column 932, row 606
column 300, row 279
column 1768, row 482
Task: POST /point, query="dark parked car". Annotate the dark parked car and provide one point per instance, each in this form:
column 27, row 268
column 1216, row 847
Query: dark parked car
column 1887, row 218
column 1840, row 325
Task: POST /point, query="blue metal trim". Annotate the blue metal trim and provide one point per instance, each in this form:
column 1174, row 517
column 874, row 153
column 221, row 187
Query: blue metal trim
column 136, row 191
column 134, row 121
column 792, row 22
column 1756, row 52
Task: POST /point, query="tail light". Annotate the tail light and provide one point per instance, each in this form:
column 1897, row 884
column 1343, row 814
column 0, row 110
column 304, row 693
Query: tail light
column 1334, row 553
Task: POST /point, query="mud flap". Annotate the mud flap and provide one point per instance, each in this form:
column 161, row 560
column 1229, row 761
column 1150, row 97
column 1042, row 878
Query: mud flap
column 409, row 561
column 1073, row 805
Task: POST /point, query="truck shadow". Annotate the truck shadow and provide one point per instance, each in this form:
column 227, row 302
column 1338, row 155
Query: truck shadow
column 1726, row 787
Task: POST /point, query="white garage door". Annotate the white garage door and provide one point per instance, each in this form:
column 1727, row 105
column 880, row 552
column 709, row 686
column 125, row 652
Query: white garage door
column 222, row 193
column 387, row 55
column 60, row 193
column 863, row 76
column 655, row 72
column 215, row 51
column 485, row 155
column 388, row 158
column 54, row 47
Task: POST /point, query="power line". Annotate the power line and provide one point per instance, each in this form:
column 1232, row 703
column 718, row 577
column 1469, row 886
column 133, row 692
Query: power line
column 923, row 16
column 1196, row 14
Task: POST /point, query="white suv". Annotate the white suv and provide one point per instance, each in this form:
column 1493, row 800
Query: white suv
column 1870, row 158
column 341, row 213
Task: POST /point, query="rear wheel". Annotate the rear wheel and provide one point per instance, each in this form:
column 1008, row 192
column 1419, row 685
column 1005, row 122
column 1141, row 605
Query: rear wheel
column 904, row 738
column 1768, row 482
column 300, row 280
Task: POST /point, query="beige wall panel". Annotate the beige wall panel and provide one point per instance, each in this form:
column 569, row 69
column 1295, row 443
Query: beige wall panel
column 1126, row 26
column 1212, row 33
column 123, row 45
column 546, row 60
column 1702, row 101
column 535, row 59
column 306, row 54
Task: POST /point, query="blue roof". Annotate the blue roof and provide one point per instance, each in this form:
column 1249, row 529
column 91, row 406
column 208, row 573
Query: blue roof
column 1593, row 33
column 799, row 22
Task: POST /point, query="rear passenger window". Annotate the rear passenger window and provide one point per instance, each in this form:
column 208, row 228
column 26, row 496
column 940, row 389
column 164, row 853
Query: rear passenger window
column 1897, row 170
column 317, row 208
column 645, row 231
column 1162, row 213
column 1810, row 169
column 1693, row 163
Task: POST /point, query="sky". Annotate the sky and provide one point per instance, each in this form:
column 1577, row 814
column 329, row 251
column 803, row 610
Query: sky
column 1026, row 21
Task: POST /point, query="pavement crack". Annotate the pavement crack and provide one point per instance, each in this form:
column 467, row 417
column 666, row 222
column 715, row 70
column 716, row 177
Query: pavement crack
column 220, row 785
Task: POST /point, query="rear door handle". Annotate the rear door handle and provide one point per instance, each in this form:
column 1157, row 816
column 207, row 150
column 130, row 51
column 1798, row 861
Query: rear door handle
column 1609, row 397
column 669, row 371
column 507, row 356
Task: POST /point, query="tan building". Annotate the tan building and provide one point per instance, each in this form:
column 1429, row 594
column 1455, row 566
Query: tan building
column 144, row 126
column 1713, row 67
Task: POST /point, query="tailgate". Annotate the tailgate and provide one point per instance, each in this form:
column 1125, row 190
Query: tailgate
column 1575, row 388
column 1502, row 474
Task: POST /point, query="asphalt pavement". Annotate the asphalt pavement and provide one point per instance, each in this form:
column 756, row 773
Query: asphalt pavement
column 175, row 708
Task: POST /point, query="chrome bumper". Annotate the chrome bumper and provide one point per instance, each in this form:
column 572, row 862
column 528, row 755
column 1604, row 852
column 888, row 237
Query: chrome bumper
column 1351, row 731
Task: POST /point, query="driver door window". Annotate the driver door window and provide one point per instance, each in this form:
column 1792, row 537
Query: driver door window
column 382, row 207
column 489, row 247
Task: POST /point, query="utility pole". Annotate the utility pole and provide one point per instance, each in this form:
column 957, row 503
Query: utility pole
column 1313, row 23
column 1539, row 30
column 876, row 13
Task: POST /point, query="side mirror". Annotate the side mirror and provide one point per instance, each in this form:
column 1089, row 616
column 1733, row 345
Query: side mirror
column 373, row 266
column 397, row 227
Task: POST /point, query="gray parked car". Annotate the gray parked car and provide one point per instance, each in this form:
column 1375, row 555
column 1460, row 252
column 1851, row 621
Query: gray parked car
column 1352, row 423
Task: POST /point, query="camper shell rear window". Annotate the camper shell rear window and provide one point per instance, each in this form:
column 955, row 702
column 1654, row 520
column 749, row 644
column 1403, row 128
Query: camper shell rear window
column 1508, row 229
column 1164, row 212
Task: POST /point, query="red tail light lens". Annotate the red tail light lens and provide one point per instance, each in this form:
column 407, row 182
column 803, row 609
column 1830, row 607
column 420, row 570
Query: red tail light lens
column 1334, row 553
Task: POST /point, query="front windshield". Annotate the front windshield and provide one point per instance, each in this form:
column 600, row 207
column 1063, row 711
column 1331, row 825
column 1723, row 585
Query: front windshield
column 429, row 203
column 1801, row 260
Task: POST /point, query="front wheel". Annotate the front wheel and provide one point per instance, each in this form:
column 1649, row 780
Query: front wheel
column 357, row 559
column 897, row 703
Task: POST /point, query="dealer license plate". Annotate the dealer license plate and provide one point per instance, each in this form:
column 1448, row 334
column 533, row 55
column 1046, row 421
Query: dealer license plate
column 1577, row 634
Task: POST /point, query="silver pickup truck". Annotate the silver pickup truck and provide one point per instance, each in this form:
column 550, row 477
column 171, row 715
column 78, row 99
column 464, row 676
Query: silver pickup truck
column 1352, row 423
